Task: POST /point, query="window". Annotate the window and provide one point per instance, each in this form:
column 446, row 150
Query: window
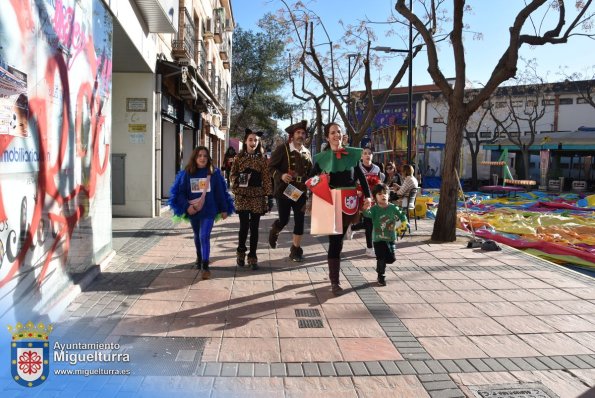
column 565, row 101
column 517, row 103
column 582, row 101
column 514, row 134
column 548, row 102
column 485, row 134
column 501, row 104
column 531, row 103
column 471, row 134
column 439, row 119
column 387, row 110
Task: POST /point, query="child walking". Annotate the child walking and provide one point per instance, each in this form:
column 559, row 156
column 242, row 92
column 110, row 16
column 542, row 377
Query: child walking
column 200, row 193
column 384, row 217
column 251, row 184
column 374, row 176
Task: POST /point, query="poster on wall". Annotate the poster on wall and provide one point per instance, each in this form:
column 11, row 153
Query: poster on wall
column 14, row 109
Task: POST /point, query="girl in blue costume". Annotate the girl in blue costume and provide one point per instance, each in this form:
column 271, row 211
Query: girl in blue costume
column 200, row 193
column 341, row 164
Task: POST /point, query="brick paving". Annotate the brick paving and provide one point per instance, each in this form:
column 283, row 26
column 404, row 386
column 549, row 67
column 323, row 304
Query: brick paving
column 450, row 318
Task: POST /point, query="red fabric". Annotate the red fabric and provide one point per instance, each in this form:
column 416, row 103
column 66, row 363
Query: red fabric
column 349, row 201
column 319, row 185
column 340, row 152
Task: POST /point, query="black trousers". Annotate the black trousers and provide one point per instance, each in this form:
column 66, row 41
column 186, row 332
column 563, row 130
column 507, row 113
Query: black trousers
column 385, row 254
column 366, row 224
column 285, row 205
column 248, row 221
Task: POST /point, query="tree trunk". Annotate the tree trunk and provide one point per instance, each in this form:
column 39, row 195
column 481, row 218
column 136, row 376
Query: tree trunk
column 446, row 219
column 474, row 178
column 525, row 153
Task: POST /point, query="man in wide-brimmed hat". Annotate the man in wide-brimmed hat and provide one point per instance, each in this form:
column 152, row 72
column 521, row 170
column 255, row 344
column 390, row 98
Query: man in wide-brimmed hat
column 290, row 166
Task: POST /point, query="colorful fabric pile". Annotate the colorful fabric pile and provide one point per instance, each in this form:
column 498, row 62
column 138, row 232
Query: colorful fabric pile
column 560, row 228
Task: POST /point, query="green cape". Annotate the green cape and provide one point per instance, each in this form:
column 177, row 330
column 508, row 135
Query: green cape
column 328, row 162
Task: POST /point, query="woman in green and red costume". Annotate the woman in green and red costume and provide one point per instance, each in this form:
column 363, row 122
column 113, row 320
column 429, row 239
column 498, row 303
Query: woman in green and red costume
column 341, row 164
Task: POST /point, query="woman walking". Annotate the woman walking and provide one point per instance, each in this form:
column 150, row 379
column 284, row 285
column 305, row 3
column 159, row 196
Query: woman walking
column 199, row 193
column 251, row 184
column 341, row 164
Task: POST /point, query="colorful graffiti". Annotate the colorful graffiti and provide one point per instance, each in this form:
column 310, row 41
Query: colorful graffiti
column 55, row 122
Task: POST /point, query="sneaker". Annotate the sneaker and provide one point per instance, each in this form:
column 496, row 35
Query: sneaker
column 370, row 252
column 381, row 280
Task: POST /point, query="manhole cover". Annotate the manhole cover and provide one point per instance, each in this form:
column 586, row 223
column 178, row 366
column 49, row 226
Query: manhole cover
column 310, row 323
column 526, row 390
column 165, row 356
column 307, row 313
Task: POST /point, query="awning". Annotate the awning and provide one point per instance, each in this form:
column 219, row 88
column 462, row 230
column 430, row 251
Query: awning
column 564, row 141
column 161, row 16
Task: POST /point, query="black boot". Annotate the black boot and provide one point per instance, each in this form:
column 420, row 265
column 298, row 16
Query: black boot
column 206, row 272
column 296, row 254
column 198, row 261
column 274, row 234
column 253, row 261
column 380, row 269
column 334, row 268
column 241, row 257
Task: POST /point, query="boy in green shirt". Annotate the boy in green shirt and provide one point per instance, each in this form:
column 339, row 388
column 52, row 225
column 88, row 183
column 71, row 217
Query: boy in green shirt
column 384, row 217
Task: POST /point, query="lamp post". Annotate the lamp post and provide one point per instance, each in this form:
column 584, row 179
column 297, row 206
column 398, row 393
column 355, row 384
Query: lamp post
column 409, row 92
column 409, row 51
column 349, row 56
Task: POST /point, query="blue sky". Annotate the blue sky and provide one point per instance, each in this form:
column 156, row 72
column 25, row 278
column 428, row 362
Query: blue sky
column 491, row 18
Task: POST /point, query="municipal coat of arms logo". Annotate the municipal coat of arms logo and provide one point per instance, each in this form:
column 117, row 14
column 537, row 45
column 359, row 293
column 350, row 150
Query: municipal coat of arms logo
column 30, row 353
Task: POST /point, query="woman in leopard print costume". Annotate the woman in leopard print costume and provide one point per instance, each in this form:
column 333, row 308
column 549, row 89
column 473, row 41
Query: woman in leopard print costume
column 251, row 184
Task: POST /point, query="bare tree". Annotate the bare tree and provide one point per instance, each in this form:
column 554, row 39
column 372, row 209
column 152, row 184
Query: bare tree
column 473, row 129
column 324, row 68
column 461, row 108
column 583, row 83
column 309, row 96
column 523, row 107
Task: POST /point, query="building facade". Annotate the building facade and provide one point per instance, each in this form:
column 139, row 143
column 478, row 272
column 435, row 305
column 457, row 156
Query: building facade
column 562, row 107
column 101, row 103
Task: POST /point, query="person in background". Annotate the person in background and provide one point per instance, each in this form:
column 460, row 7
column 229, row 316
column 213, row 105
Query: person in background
column 200, row 193
column 341, row 164
column 374, row 176
column 345, row 140
column 409, row 182
column 393, row 177
column 251, row 184
column 384, row 216
column 230, row 155
column 290, row 167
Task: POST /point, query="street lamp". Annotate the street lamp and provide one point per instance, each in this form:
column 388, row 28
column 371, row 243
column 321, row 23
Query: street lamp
column 349, row 56
column 409, row 93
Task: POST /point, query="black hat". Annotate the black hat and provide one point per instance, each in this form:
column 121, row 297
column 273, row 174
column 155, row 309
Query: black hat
column 303, row 125
column 247, row 132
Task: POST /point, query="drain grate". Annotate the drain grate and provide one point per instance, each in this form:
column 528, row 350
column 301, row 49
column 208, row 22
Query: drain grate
column 307, row 313
column 526, row 390
column 310, row 323
column 163, row 356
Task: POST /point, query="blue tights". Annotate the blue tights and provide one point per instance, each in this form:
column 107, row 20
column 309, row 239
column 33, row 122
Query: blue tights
column 202, row 236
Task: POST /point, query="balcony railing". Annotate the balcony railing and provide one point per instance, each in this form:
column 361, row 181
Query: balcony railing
column 201, row 58
column 183, row 45
column 224, row 50
column 218, row 27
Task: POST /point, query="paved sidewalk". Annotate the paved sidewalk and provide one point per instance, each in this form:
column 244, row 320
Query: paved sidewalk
column 452, row 321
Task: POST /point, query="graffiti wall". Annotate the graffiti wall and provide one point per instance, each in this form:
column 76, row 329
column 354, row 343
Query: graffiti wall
column 55, row 106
